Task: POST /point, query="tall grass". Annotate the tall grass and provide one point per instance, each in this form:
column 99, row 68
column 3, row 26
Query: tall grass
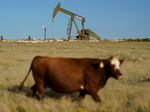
column 132, row 94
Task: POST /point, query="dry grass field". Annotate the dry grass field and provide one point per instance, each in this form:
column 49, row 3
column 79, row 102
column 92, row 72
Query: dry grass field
column 131, row 94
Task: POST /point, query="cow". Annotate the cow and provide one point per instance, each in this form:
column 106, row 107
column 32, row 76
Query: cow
column 68, row 75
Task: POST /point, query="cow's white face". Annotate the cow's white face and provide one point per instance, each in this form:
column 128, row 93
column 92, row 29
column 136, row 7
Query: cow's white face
column 116, row 63
column 115, row 68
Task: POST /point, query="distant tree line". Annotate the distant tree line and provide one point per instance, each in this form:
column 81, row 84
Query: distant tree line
column 137, row 40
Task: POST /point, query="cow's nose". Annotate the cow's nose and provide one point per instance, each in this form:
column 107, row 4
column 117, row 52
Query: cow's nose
column 120, row 77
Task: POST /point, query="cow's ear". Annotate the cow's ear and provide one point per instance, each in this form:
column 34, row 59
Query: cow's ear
column 121, row 61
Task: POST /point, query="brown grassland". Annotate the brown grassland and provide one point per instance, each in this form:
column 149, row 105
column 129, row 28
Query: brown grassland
column 131, row 94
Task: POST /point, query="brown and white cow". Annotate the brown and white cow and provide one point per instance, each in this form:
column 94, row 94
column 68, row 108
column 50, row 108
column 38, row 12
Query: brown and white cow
column 67, row 75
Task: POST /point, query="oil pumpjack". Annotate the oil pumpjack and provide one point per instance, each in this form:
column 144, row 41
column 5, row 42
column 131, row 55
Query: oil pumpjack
column 81, row 33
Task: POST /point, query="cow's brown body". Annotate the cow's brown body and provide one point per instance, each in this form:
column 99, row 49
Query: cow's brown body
column 67, row 75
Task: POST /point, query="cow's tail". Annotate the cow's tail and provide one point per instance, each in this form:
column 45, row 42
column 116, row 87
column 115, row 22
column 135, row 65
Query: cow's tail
column 22, row 83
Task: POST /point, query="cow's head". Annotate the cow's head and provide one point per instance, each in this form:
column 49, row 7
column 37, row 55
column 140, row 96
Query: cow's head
column 112, row 66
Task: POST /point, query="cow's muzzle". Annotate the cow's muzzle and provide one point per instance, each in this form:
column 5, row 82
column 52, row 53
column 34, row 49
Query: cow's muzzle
column 120, row 77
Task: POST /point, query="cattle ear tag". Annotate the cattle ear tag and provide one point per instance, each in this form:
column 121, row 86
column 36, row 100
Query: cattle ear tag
column 101, row 65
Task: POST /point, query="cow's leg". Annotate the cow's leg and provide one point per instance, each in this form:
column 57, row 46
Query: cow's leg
column 82, row 94
column 40, row 89
column 34, row 89
column 91, row 90
column 95, row 96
